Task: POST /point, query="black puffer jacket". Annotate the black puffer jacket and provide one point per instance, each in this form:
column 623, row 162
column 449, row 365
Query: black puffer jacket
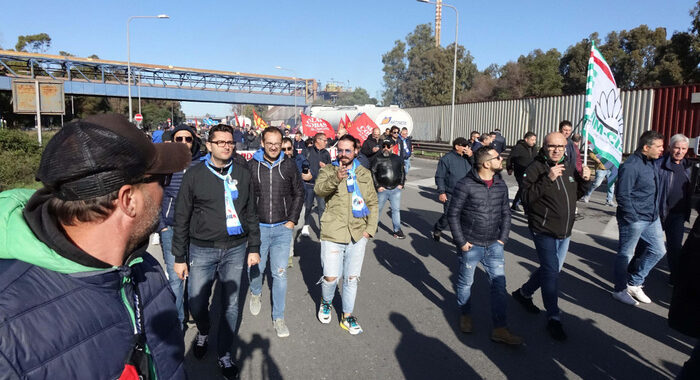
column 387, row 171
column 521, row 156
column 278, row 189
column 478, row 214
column 551, row 205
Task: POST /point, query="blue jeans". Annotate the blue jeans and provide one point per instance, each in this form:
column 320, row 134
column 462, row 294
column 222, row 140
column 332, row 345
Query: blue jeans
column 551, row 253
column 177, row 285
column 630, row 233
column 342, row 260
column 600, row 175
column 227, row 265
column 309, row 196
column 274, row 243
column 394, row 197
column 407, row 164
column 491, row 258
column 674, row 229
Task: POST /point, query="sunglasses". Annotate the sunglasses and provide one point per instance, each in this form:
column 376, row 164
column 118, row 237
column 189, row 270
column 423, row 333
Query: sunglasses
column 185, row 138
column 288, row 149
column 345, row 151
column 162, row 179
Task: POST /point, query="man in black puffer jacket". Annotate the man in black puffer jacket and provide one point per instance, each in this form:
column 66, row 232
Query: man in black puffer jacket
column 521, row 156
column 80, row 298
column 389, row 176
column 279, row 197
column 479, row 218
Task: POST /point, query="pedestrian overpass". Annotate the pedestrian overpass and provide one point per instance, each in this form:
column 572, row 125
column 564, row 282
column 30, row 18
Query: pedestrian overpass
column 98, row 77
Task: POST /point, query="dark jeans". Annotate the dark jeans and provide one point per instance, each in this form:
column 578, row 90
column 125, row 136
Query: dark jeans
column 691, row 368
column 177, row 285
column 516, row 199
column 227, row 265
column 491, row 258
column 551, row 253
column 309, row 197
column 442, row 223
column 673, row 228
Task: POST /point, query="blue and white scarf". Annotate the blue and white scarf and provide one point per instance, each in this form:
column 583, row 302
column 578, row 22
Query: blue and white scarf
column 359, row 208
column 233, row 224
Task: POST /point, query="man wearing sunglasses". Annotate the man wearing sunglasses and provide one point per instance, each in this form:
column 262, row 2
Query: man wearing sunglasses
column 183, row 135
column 216, row 224
column 389, row 177
column 80, row 296
column 280, row 197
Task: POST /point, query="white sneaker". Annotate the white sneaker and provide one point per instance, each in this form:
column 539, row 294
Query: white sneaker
column 305, row 231
column 638, row 293
column 324, row 312
column 281, row 328
column 255, row 304
column 624, row 297
column 586, row 199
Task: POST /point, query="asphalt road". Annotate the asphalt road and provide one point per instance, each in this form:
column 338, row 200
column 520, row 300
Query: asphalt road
column 406, row 305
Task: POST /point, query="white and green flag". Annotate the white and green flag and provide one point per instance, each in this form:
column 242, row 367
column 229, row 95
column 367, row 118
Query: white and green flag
column 602, row 121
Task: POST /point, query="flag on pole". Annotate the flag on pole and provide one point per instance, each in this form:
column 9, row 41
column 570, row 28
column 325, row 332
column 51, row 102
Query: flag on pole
column 258, row 121
column 238, row 124
column 341, row 124
column 602, row 120
column 313, row 125
column 348, row 123
column 361, row 127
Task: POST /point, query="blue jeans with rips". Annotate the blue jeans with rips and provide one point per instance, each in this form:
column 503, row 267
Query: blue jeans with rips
column 654, row 249
column 177, row 285
column 491, row 258
column 600, row 175
column 394, row 197
column 551, row 253
column 274, row 244
column 342, row 260
column 227, row 265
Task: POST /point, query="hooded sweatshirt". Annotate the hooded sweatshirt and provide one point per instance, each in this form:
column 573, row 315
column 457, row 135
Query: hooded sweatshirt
column 76, row 313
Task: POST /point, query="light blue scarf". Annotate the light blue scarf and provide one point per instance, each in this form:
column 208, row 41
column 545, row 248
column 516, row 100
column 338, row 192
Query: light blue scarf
column 359, row 208
column 233, row 224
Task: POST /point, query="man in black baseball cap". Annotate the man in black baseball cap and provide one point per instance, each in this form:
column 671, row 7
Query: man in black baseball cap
column 80, row 296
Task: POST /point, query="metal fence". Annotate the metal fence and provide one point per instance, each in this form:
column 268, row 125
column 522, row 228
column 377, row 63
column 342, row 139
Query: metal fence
column 539, row 115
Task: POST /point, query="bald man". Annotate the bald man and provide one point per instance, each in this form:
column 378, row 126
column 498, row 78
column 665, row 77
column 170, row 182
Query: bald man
column 373, row 144
column 550, row 191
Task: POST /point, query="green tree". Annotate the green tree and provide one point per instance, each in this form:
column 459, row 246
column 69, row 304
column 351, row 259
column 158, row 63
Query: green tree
column 633, row 55
column 542, row 73
column 394, row 71
column 573, row 65
column 35, row 42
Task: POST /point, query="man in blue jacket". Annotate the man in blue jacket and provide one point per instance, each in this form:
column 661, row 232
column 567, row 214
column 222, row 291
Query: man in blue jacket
column 638, row 218
column 81, row 298
column 451, row 168
column 674, row 196
column 479, row 217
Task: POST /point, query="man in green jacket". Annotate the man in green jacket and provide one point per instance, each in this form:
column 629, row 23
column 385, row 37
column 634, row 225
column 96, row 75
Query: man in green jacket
column 349, row 220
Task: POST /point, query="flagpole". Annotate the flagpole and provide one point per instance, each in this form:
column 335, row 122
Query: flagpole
column 585, row 119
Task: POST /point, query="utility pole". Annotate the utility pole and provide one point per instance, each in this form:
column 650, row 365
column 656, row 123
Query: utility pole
column 438, row 21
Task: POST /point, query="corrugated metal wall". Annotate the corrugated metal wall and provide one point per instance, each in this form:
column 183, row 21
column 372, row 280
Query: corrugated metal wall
column 674, row 113
column 515, row 117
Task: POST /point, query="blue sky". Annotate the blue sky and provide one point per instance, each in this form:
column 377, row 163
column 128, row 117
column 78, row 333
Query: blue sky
column 325, row 40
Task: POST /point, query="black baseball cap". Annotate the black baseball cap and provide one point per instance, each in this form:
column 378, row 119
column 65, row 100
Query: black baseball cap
column 387, row 143
column 97, row 155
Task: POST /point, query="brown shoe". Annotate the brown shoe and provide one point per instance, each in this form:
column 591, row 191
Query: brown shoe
column 502, row 335
column 465, row 323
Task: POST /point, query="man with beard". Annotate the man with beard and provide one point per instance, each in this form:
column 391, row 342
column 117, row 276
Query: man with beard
column 521, row 156
column 389, row 177
column 550, row 191
column 451, row 168
column 480, row 223
column 215, row 219
column 350, row 220
column 372, row 145
column 80, row 296
column 280, row 197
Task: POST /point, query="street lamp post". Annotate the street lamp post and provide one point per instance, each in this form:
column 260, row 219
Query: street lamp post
column 128, row 58
column 295, row 91
column 454, row 71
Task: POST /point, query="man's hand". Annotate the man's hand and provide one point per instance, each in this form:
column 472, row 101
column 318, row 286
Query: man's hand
column 289, row 225
column 365, row 234
column 322, row 164
column 253, row 259
column 586, row 173
column 342, row 172
column 400, row 187
column 556, row 171
column 375, row 149
column 442, row 197
column 380, row 189
column 306, row 176
column 181, row 270
column 467, row 246
column 510, row 171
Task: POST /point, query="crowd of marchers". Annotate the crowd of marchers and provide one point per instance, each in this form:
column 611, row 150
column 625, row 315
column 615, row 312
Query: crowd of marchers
column 81, row 239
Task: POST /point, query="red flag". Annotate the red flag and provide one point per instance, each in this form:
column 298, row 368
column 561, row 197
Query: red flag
column 342, row 124
column 314, row 125
column 361, row 127
column 395, row 149
column 238, row 124
column 258, row 121
column 348, row 123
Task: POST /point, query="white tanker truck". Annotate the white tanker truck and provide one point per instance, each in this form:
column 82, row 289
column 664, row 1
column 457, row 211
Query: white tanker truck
column 384, row 117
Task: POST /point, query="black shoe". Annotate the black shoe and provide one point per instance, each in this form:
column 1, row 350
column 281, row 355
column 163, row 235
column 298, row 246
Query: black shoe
column 556, row 331
column 399, row 235
column 436, row 235
column 200, row 345
column 578, row 216
column 525, row 302
column 228, row 368
column 516, row 208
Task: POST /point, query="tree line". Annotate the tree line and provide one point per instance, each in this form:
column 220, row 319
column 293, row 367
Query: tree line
column 417, row 73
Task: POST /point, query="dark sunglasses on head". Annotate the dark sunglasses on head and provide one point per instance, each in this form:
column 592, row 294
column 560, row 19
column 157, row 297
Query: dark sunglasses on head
column 162, row 179
column 185, row 138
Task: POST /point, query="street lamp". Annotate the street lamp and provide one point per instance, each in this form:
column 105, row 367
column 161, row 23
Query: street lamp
column 295, row 90
column 454, row 72
column 128, row 58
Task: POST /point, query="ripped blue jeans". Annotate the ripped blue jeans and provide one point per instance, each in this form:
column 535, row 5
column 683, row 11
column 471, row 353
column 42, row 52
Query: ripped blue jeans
column 491, row 258
column 342, row 260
